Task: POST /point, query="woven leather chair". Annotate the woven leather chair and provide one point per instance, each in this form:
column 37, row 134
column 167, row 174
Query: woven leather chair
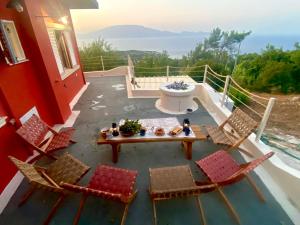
column 233, row 131
column 221, row 170
column 34, row 131
column 109, row 183
column 65, row 169
column 175, row 182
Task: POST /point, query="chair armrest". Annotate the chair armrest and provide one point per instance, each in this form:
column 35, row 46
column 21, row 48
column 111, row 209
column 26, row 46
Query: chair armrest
column 89, row 191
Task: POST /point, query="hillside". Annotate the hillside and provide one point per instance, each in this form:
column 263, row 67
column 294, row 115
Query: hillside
column 135, row 31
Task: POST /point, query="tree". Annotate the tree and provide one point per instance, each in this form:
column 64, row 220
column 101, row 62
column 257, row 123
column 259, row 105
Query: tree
column 221, row 46
column 274, row 70
column 91, row 53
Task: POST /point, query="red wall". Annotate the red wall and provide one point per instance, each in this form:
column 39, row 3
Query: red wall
column 36, row 82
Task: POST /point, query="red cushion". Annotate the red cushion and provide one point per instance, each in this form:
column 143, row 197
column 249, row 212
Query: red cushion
column 33, row 130
column 218, row 166
column 61, row 140
column 113, row 180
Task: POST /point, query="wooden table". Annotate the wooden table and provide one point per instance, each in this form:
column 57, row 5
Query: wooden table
column 186, row 141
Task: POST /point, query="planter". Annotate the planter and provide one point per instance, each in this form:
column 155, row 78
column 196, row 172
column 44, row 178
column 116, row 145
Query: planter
column 174, row 101
column 127, row 134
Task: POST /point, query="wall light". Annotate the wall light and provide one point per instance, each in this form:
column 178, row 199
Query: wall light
column 64, row 20
column 15, row 4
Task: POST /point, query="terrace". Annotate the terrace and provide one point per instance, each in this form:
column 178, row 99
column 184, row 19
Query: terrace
column 106, row 101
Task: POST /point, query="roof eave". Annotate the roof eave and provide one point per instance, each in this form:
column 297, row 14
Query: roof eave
column 81, row 4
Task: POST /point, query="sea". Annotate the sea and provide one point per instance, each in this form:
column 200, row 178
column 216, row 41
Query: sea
column 177, row 46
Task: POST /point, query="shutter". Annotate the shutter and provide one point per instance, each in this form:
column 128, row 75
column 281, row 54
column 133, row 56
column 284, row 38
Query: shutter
column 4, row 46
column 70, row 47
column 52, row 38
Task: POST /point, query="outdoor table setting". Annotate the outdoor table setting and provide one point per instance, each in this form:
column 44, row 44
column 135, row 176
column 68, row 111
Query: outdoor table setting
column 150, row 130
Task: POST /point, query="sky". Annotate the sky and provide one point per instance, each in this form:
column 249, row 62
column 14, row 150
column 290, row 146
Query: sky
column 260, row 16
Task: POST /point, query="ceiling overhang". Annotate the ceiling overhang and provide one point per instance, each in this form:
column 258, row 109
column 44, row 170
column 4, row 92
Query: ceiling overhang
column 81, row 4
column 71, row 4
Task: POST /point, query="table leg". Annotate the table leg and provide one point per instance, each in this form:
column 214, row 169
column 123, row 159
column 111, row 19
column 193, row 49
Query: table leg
column 188, row 149
column 115, row 152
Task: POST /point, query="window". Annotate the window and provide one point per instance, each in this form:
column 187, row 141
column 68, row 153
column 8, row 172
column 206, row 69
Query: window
column 10, row 43
column 63, row 50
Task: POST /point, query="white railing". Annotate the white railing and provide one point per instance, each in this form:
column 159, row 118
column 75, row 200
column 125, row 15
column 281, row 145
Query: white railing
column 102, row 62
column 225, row 85
column 228, row 86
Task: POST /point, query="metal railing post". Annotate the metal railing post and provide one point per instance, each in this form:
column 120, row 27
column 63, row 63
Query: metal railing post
column 265, row 119
column 102, row 63
column 225, row 90
column 168, row 70
column 205, row 74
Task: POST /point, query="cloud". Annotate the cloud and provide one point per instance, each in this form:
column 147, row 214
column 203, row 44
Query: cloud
column 264, row 16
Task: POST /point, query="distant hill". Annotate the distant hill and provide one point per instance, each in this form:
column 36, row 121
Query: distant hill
column 134, row 31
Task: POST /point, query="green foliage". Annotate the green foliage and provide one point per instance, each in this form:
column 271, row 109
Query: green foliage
column 91, row 53
column 222, row 47
column 238, row 97
column 155, row 64
column 274, row 70
column 130, row 126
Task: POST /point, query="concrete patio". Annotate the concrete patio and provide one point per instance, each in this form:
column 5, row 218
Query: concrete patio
column 104, row 102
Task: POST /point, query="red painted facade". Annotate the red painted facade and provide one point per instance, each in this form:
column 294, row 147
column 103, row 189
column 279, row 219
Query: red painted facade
column 35, row 82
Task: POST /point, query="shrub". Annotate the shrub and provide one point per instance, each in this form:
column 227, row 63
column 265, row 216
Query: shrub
column 238, row 97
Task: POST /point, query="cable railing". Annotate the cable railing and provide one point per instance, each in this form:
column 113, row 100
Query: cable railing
column 229, row 92
column 255, row 105
column 102, row 62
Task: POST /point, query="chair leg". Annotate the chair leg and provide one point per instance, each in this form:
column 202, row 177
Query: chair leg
column 258, row 192
column 127, row 207
column 26, row 196
column 125, row 214
column 232, row 210
column 154, row 212
column 54, row 209
column 77, row 217
column 72, row 141
column 203, row 220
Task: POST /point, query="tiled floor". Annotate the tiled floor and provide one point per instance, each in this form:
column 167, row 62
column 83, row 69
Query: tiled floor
column 106, row 101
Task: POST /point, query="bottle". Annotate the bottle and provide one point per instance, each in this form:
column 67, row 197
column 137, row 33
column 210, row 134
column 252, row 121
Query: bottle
column 115, row 131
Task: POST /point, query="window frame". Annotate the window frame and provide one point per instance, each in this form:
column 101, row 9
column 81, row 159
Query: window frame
column 59, row 51
column 10, row 43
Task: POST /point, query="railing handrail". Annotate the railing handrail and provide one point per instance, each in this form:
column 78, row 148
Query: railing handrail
column 249, row 93
column 219, row 75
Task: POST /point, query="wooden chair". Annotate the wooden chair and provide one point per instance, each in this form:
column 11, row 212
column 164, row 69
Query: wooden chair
column 108, row 183
column 65, row 169
column 36, row 133
column 239, row 127
column 222, row 170
column 174, row 182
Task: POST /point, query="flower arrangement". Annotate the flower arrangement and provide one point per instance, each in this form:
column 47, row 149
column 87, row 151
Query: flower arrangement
column 178, row 86
column 130, row 127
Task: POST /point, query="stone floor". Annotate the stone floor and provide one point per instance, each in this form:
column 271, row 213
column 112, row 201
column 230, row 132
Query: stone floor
column 104, row 102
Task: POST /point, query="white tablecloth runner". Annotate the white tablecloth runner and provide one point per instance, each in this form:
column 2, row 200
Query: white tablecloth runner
column 151, row 124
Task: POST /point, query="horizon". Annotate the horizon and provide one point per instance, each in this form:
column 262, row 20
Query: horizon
column 180, row 31
column 194, row 16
